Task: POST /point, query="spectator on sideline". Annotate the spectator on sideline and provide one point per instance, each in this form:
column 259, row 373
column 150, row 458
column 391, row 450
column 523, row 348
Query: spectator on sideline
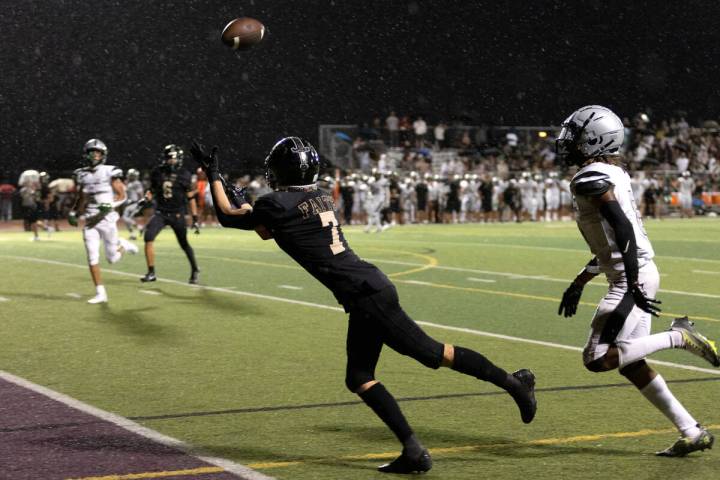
column 420, row 128
column 7, row 190
column 392, row 124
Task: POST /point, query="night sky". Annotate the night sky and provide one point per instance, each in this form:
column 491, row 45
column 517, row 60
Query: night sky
column 141, row 74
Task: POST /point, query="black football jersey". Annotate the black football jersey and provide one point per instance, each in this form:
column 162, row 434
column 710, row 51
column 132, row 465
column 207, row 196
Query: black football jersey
column 304, row 226
column 170, row 188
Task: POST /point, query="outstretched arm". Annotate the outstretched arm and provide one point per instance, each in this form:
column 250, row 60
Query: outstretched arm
column 238, row 215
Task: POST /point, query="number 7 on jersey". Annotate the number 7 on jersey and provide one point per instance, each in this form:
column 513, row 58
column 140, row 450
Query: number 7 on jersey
column 328, row 218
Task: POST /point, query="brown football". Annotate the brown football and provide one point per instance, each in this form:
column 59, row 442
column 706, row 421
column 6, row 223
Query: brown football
column 243, row 33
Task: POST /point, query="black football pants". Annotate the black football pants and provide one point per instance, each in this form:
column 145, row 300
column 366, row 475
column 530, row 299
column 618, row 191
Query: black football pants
column 176, row 221
column 379, row 319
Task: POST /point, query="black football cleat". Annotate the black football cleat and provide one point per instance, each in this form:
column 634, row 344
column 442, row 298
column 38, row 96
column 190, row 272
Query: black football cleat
column 405, row 464
column 149, row 277
column 525, row 399
column 194, row 277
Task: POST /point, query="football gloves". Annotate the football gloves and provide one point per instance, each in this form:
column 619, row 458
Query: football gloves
column 73, row 219
column 570, row 300
column 643, row 302
column 104, row 208
column 208, row 161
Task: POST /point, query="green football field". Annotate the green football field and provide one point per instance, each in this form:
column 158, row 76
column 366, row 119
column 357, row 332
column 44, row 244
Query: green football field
column 250, row 366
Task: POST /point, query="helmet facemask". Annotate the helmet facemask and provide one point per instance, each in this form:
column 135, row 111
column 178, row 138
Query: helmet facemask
column 173, row 157
column 590, row 132
column 90, row 158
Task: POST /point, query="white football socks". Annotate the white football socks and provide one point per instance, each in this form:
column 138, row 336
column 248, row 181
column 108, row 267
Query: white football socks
column 658, row 393
column 630, row 351
column 100, row 290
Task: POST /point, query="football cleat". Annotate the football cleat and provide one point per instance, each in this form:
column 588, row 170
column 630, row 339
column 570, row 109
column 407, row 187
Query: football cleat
column 685, row 445
column 405, row 464
column 694, row 342
column 99, row 298
column 149, row 277
column 194, row 277
column 128, row 247
column 526, row 398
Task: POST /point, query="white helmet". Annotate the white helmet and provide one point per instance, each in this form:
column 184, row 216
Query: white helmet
column 591, row 131
column 133, row 174
column 94, row 145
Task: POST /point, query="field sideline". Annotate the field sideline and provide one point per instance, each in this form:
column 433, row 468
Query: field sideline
column 249, row 366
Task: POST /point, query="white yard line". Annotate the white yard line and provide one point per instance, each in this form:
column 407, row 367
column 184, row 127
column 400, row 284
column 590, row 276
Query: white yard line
column 339, row 309
column 290, row 287
column 4, row 299
column 541, row 278
column 149, row 292
column 483, row 280
column 534, row 247
column 229, row 466
column 706, row 272
column 73, row 295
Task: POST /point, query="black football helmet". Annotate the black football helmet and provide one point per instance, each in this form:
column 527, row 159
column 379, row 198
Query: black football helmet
column 172, row 156
column 293, row 161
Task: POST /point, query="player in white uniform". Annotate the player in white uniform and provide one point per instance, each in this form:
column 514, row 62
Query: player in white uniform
column 135, row 191
column 611, row 225
column 375, row 202
column 539, row 196
column 565, row 197
column 408, row 198
column 552, row 197
column 528, row 201
column 686, row 185
column 100, row 191
column 468, row 198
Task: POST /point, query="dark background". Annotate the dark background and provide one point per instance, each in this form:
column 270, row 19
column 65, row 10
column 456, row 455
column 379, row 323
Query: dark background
column 141, row 74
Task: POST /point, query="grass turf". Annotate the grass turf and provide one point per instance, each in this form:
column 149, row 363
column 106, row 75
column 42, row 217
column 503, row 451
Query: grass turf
column 260, row 381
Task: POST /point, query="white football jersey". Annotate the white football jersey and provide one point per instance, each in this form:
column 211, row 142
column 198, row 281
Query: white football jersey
column 134, row 191
column 96, row 184
column 598, row 234
column 686, row 185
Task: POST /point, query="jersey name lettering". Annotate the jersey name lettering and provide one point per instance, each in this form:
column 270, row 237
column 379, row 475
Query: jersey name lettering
column 315, row 206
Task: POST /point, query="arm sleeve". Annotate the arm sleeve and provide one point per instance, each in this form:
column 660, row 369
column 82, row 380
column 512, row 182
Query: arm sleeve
column 624, row 237
column 264, row 212
column 242, row 222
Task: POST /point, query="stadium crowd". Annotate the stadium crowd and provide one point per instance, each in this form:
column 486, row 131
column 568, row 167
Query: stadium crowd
column 403, row 170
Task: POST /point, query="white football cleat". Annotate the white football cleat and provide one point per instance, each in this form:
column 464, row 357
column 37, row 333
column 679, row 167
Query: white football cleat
column 99, row 298
column 129, row 247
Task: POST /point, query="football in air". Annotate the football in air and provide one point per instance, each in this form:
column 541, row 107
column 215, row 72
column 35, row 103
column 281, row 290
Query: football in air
column 242, row 33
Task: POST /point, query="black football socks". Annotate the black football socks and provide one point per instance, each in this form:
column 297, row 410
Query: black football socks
column 385, row 406
column 190, row 253
column 477, row 365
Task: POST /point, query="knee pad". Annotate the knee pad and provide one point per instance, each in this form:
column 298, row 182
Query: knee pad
column 632, row 368
column 355, row 379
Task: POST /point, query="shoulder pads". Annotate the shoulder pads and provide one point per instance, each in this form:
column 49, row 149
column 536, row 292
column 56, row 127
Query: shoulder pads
column 591, row 184
column 116, row 172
